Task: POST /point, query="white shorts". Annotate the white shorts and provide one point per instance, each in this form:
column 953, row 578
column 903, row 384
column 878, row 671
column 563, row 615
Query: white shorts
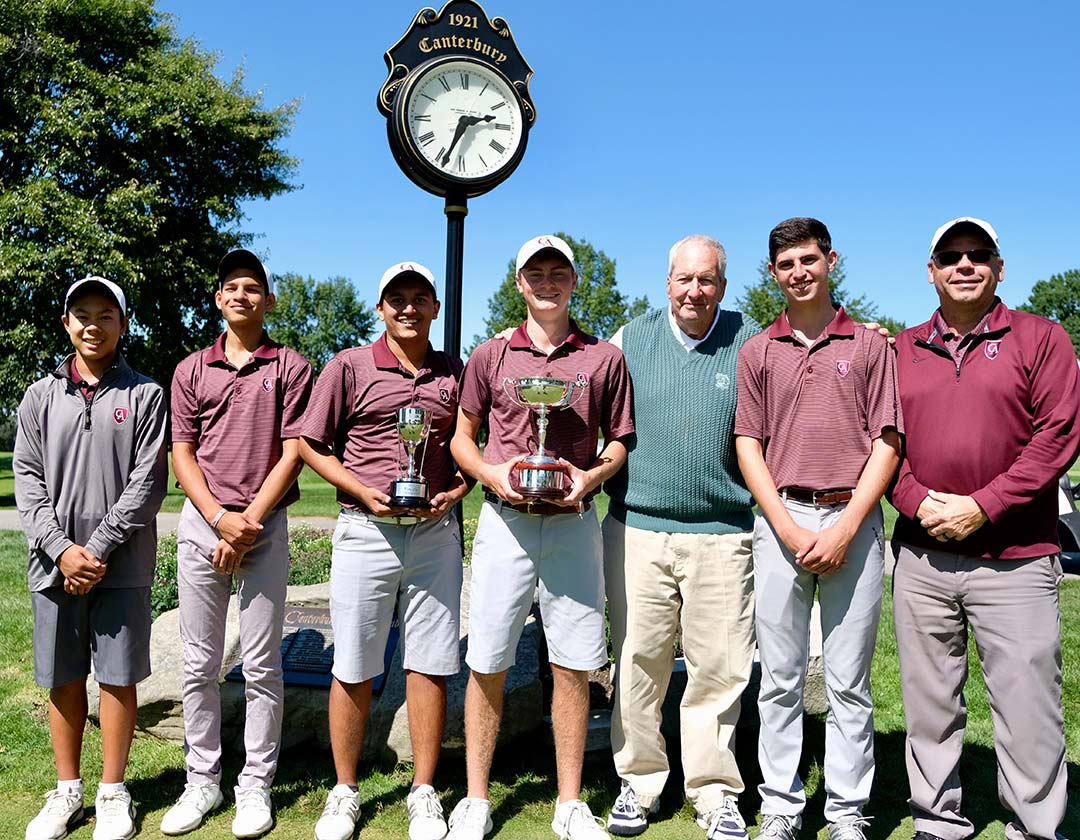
column 511, row 553
column 378, row 567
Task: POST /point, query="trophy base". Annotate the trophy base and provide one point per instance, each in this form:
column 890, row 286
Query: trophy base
column 541, row 479
column 409, row 493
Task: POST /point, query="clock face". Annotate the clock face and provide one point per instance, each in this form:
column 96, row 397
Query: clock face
column 464, row 120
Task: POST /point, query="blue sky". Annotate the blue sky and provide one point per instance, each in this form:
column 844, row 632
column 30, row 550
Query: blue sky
column 663, row 119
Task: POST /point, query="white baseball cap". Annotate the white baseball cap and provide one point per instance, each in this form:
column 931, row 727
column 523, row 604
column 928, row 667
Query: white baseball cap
column 243, row 258
column 985, row 227
column 108, row 287
column 544, row 243
column 402, row 268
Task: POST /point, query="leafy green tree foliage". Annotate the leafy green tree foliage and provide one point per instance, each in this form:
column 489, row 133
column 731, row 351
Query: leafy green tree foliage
column 764, row 301
column 1059, row 299
column 319, row 319
column 121, row 154
column 598, row 306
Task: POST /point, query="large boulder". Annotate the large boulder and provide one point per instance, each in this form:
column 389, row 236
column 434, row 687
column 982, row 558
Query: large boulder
column 387, row 735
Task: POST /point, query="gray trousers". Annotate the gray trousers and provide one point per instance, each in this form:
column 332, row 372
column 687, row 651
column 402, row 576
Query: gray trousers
column 261, row 583
column 850, row 602
column 1012, row 609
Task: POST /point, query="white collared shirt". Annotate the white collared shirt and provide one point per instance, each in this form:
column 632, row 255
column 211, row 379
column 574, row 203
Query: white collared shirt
column 688, row 342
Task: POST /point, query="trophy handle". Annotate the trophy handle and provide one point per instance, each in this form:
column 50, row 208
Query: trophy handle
column 424, row 442
column 507, row 380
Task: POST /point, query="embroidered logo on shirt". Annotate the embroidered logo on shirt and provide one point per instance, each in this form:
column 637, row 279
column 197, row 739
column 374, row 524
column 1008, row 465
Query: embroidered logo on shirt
column 120, row 415
column 723, row 381
column 991, row 349
column 268, row 384
column 582, row 379
column 843, row 366
column 444, row 396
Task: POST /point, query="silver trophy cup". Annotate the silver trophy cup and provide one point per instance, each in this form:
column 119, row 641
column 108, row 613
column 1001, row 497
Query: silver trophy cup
column 411, row 489
column 540, row 475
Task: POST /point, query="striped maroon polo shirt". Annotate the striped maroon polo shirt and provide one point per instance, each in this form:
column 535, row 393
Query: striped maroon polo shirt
column 572, row 432
column 353, row 411
column 237, row 418
column 817, row 410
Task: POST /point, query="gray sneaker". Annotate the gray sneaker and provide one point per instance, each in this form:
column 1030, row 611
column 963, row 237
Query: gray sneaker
column 778, row 827
column 851, row 829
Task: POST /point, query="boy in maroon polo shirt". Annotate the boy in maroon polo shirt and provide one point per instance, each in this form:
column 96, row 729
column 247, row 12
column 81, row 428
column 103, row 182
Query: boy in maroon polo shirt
column 817, row 429
column 990, row 399
column 388, row 557
column 236, row 413
column 555, row 543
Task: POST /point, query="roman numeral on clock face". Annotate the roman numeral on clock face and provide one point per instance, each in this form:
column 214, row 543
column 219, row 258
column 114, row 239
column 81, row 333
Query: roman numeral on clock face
column 445, row 84
column 464, row 81
column 426, row 138
column 497, row 106
column 497, row 146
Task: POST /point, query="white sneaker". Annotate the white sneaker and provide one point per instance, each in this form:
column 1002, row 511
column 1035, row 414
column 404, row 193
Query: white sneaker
column 191, row 808
column 470, row 820
column 59, row 813
column 426, row 821
column 779, row 827
column 115, row 816
column 574, row 821
column 253, row 815
column 627, row 817
column 725, row 822
column 338, row 820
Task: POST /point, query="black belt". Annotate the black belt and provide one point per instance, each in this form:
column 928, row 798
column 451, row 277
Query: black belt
column 817, row 497
column 537, row 508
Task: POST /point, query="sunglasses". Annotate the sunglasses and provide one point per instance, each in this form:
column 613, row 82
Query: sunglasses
column 976, row 255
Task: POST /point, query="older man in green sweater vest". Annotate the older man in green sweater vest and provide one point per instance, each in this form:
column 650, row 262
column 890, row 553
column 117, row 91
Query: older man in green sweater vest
column 677, row 549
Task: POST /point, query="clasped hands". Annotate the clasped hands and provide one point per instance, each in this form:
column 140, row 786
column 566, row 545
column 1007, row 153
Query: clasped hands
column 947, row 516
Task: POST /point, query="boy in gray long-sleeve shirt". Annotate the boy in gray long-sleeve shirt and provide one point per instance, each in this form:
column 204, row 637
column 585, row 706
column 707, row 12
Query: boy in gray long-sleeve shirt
column 90, row 475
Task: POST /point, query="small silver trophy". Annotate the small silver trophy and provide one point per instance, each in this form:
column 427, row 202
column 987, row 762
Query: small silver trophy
column 540, row 475
column 411, row 489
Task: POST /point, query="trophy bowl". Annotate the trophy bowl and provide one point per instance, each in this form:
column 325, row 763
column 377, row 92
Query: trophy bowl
column 540, row 475
column 411, row 489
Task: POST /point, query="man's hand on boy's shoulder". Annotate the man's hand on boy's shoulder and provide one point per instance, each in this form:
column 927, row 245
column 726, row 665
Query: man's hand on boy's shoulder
column 81, row 569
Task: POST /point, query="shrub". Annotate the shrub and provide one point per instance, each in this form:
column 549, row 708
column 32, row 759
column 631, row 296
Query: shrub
column 309, row 562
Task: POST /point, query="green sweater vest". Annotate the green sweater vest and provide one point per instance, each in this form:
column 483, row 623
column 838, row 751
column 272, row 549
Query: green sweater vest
column 681, row 474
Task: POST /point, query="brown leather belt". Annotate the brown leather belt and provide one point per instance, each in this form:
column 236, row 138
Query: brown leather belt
column 817, row 497
column 538, row 508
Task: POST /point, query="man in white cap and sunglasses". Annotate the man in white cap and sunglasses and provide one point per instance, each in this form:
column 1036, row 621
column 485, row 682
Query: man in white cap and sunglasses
column 990, row 400
column 389, row 556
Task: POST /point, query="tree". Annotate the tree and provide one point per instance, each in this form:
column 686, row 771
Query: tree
column 597, row 305
column 764, row 301
column 121, row 154
column 319, row 319
column 1059, row 299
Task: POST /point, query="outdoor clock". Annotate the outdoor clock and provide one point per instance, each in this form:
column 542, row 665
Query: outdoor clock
column 459, row 126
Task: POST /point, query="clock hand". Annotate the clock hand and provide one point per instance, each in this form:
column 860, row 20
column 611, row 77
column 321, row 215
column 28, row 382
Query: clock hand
column 464, row 122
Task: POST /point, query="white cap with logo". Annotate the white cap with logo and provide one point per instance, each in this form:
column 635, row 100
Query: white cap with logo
column 402, row 268
column 108, row 287
column 984, row 226
column 544, row 243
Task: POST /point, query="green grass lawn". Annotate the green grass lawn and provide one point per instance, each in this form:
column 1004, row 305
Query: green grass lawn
column 523, row 778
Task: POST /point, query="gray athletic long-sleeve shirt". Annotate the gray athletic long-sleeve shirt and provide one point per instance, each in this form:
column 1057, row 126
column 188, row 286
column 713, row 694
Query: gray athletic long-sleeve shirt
column 91, row 473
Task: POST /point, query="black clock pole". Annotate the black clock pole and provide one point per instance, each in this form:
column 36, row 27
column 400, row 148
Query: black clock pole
column 456, row 211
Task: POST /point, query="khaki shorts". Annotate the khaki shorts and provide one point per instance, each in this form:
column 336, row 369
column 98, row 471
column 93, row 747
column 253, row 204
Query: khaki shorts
column 512, row 553
column 110, row 627
column 378, row 568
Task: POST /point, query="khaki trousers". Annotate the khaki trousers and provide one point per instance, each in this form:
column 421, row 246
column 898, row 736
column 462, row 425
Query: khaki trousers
column 1012, row 610
column 702, row 587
